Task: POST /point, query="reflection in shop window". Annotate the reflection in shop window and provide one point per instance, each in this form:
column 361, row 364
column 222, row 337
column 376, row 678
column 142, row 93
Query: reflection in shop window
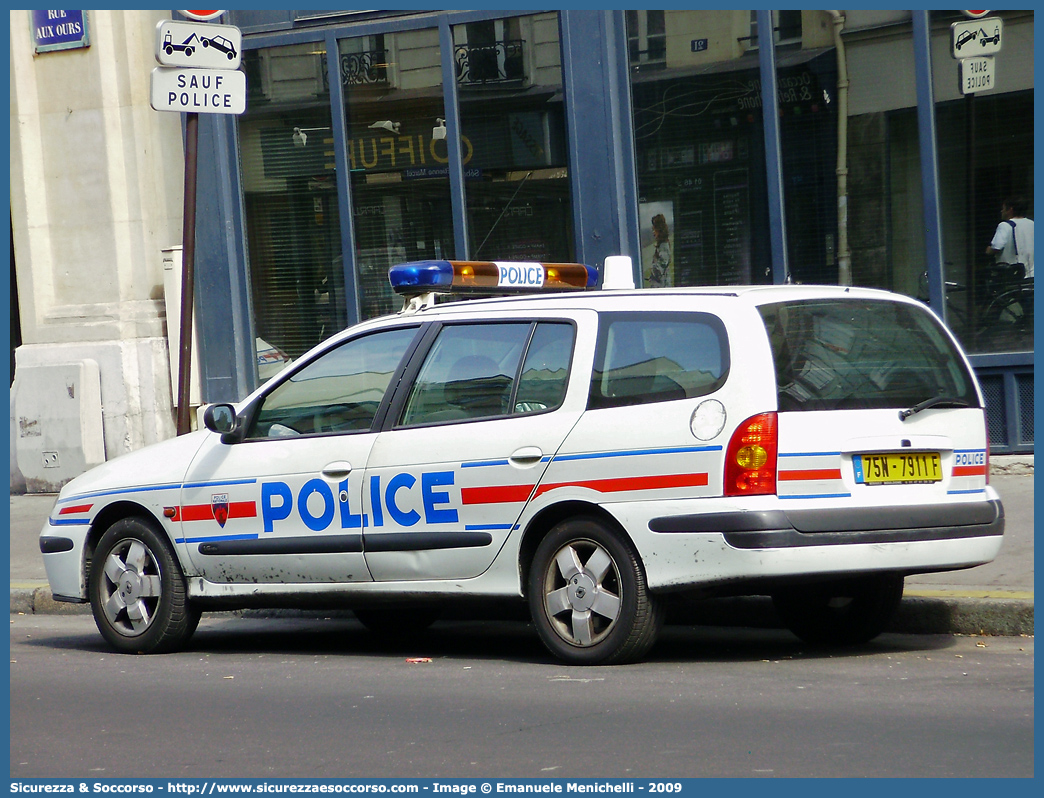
column 513, row 123
column 700, row 150
column 492, row 52
column 646, row 39
column 398, row 164
column 290, row 196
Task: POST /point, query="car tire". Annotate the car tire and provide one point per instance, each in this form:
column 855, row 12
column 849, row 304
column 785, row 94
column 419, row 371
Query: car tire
column 840, row 613
column 137, row 590
column 588, row 596
column 398, row 622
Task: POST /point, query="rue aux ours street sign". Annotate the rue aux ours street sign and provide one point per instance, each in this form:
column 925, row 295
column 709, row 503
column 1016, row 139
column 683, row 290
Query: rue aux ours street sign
column 58, row 30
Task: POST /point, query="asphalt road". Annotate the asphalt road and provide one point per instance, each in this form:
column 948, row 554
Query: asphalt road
column 291, row 697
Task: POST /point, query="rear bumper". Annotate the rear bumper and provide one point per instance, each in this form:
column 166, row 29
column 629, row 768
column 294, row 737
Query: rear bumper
column 781, row 529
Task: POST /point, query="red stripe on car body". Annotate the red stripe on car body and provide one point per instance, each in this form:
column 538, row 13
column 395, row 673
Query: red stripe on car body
column 810, row 473
column 205, row 512
column 623, row 484
column 79, row 508
column 496, row 494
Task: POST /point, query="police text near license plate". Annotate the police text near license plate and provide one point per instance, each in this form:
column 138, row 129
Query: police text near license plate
column 897, row 468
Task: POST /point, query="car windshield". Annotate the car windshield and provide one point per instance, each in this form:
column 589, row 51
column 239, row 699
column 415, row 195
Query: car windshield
column 863, row 354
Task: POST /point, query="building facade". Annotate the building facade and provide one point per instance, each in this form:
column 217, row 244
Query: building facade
column 713, row 147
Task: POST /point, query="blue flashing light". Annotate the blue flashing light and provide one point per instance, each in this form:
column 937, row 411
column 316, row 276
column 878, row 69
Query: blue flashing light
column 421, row 276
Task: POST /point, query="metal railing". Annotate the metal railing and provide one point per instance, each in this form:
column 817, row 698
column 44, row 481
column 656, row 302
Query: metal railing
column 368, row 68
column 490, row 64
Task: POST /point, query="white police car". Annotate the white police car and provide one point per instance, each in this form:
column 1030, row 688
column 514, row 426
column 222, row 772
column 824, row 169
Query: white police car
column 596, row 452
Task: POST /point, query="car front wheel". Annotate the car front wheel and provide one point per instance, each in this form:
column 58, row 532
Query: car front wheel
column 137, row 591
column 845, row 612
column 588, row 596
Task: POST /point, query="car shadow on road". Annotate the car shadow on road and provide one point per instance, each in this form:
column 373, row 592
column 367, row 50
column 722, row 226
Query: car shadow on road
column 486, row 640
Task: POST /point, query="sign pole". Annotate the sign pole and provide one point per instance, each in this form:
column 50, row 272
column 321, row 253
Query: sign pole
column 188, row 281
column 180, row 85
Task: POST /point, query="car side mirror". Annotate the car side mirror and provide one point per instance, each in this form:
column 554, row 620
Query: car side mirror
column 221, row 418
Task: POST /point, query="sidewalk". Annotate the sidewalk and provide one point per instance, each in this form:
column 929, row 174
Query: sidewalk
column 993, row 599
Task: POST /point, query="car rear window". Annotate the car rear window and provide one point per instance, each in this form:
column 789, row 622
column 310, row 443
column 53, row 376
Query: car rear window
column 862, row 354
column 657, row 357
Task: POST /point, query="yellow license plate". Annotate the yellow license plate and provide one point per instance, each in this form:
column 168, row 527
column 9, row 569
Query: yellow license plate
column 898, row 468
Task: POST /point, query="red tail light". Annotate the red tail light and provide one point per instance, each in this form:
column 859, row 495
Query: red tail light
column 986, row 423
column 750, row 460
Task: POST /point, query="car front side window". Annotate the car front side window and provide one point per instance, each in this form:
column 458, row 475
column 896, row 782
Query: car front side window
column 473, row 371
column 338, row 392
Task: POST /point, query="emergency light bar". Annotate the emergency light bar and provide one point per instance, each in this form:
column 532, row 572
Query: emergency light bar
column 473, row 276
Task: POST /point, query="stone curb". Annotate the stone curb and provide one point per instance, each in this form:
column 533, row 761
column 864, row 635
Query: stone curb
column 917, row 614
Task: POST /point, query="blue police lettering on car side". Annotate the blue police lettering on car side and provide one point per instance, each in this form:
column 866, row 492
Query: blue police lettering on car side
column 270, row 513
column 277, row 502
column 429, row 481
column 317, row 523
column 394, row 484
column 349, row 520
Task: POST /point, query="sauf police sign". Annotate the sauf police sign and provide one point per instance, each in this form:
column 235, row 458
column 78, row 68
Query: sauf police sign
column 179, row 86
column 203, row 91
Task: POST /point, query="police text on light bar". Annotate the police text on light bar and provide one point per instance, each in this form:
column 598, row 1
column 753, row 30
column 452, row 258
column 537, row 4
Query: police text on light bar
column 463, row 276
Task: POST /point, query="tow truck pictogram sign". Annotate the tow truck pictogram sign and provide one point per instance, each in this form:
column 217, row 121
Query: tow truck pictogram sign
column 198, row 45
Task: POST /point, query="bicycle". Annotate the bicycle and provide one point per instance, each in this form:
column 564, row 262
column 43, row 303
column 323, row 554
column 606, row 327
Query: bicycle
column 1001, row 317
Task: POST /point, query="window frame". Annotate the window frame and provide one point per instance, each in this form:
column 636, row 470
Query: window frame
column 597, row 401
column 252, row 412
column 931, row 333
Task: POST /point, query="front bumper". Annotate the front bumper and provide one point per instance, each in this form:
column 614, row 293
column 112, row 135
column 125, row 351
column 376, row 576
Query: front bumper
column 63, row 555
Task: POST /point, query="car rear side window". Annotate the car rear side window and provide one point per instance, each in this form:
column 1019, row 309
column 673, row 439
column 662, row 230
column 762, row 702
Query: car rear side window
column 657, row 357
column 862, row 354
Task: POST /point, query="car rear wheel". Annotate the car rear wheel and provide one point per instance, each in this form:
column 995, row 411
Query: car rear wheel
column 588, row 597
column 842, row 613
column 137, row 591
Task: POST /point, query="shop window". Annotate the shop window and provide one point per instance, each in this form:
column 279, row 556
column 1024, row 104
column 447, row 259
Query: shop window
column 786, row 27
column 646, row 39
column 985, row 155
column 490, row 53
column 516, row 175
column 364, row 61
column 290, row 198
column 397, row 158
column 698, row 139
column 700, row 153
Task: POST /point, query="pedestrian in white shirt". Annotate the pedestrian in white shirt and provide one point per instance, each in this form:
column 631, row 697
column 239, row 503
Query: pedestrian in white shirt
column 1013, row 241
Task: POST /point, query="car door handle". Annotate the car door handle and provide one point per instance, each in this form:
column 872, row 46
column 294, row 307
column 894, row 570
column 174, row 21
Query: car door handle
column 527, row 455
column 338, row 470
